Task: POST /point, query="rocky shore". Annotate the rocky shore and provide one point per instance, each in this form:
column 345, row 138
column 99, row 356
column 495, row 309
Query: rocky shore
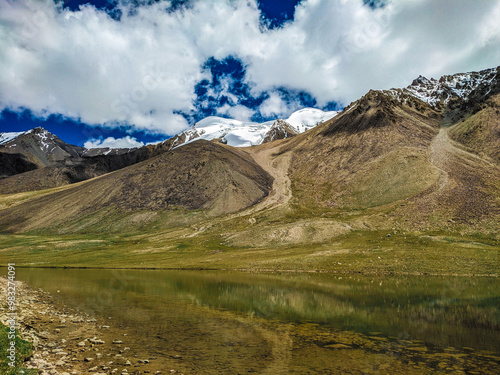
column 68, row 342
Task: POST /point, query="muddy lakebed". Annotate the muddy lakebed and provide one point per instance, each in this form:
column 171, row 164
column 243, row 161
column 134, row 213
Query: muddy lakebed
column 221, row 322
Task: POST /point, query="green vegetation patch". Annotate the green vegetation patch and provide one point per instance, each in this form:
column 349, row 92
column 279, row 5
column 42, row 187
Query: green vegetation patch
column 24, row 351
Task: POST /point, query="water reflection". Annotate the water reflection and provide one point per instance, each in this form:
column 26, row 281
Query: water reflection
column 289, row 320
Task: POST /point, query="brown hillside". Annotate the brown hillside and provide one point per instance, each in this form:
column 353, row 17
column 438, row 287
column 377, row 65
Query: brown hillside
column 76, row 169
column 374, row 153
column 393, row 157
column 480, row 133
column 200, row 175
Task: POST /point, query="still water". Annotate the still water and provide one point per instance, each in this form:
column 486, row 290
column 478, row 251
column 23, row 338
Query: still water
column 230, row 323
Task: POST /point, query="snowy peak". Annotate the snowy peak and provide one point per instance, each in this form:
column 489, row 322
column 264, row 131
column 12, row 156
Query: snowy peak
column 98, row 151
column 40, row 134
column 232, row 132
column 38, row 146
column 243, row 134
column 461, row 86
column 47, row 140
column 308, row 118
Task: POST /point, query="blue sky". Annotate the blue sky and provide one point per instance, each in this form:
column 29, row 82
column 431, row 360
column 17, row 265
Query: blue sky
column 147, row 69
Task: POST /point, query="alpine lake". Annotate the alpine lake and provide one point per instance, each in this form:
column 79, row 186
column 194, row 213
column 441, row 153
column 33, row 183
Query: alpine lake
column 221, row 322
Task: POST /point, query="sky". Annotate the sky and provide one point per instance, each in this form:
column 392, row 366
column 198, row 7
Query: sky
column 127, row 72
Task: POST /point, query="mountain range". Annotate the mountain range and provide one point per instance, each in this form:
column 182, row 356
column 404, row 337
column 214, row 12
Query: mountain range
column 37, row 148
column 425, row 157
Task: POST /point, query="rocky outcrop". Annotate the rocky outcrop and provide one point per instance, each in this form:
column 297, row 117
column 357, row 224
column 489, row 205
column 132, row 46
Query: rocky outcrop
column 279, row 130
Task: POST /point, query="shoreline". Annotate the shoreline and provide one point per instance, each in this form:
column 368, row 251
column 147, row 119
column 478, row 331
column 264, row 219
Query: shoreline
column 68, row 342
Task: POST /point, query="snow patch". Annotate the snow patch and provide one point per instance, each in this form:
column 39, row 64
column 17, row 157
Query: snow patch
column 9, row 136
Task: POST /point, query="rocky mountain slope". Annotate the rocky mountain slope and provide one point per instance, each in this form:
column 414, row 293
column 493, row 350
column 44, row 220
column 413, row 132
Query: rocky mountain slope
column 455, row 95
column 279, row 130
column 203, row 176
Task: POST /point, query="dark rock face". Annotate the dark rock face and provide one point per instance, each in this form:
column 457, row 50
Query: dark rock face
column 11, row 164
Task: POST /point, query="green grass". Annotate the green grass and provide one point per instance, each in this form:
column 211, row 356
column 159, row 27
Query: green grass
column 23, row 351
column 367, row 252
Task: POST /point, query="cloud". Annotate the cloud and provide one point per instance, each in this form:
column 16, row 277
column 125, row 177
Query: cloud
column 111, row 142
column 239, row 112
column 274, row 106
column 141, row 69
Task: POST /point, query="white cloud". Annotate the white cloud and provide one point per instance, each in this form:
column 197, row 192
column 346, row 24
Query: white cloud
column 111, row 142
column 142, row 69
column 276, row 106
column 237, row 112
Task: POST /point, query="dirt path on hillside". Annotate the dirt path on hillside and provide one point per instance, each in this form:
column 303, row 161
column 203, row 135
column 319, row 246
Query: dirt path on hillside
column 280, row 194
column 277, row 167
column 460, row 187
column 443, row 149
column 440, row 149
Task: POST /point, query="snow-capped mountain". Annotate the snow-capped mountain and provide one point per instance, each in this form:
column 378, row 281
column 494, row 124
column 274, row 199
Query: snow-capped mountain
column 242, row 134
column 472, row 86
column 38, row 145
column 47, row 143
column 38, row 148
